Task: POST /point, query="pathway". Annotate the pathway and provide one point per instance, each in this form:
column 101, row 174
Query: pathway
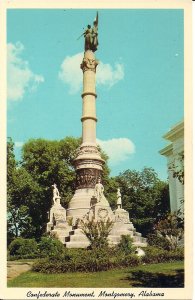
column 15, row 268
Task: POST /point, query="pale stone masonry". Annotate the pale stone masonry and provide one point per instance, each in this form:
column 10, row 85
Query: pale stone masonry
column 88, row 163
column 174, row 153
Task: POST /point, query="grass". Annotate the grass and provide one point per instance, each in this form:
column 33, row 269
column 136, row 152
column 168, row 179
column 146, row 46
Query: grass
column 119, row 278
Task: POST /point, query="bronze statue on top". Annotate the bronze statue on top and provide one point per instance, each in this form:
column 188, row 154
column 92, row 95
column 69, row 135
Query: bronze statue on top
column 91, row 36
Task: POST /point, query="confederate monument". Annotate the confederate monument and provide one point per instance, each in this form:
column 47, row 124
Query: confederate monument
column 89, row 200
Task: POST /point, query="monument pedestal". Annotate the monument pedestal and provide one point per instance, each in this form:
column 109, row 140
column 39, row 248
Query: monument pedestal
column 123, row 226
column 101, row 212
column 73, row 237
column 80, row 204
column 57, row 224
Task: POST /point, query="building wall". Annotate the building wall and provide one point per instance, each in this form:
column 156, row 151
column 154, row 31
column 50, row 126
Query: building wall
column 173, row 152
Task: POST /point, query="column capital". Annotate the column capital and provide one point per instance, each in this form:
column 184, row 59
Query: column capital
column 89, row 64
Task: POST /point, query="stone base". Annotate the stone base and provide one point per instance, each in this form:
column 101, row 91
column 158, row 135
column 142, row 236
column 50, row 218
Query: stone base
column 80, row 204
column 123, row 226
column 101, row 211
column 62, row 233
column 77, row 239
column 121, row 215
column 57, row 216
column 84, row 205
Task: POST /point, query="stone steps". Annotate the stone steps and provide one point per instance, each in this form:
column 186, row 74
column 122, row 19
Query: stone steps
column 77, row 244
column 73, row 237
column 76, row 239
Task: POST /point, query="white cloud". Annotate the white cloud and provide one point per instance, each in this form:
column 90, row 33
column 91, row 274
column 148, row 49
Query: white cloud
column 118, row 149
column 70, row 72
column 108, row 75
column 18, row 144
column 20, row 77
column 71, row 75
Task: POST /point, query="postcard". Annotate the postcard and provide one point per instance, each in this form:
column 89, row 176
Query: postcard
column 96, row 152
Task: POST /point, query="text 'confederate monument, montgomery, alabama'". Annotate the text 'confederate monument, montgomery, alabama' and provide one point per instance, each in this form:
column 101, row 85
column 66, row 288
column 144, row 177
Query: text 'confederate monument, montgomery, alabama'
column 89, row 201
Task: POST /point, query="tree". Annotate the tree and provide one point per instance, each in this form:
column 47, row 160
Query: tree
column 11, row 161
column 172, row 229
column 23, row 195
column 144, row 196
column 17, row 213
column 50, row 162
column 29, row 183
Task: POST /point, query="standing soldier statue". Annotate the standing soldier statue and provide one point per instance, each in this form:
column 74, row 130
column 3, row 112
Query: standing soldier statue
column 56, row 194
column 91, row 36
column 88, row 38
column 99, row 191
column 119, row 201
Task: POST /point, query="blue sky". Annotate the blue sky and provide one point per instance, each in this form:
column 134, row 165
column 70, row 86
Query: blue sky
column 139, row 79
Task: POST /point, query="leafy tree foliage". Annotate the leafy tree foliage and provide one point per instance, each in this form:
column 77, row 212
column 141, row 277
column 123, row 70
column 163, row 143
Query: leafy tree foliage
column 29, row 183
column 144, row 196
column 49, row 162
column 172, row 229
column 21, row 190
column 11, row 162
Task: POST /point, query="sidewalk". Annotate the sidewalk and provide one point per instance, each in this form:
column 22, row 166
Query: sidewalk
column 15, row 268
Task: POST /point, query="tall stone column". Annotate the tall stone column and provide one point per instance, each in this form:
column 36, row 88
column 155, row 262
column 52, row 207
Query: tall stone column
column 88, row 162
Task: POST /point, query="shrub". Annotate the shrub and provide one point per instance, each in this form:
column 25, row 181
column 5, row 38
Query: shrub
column 177, row 254
column 49, row 246
column 156, row 255
column 96, row 231
column 158, row 241
column 15, row 245
column 130, row 260
column 23, row 248
column 172, row 229
column 100, row 259
column 84, row 261
column 126, row 245
column 47, row 265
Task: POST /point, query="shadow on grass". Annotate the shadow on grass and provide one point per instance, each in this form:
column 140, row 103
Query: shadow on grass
column 148, row 279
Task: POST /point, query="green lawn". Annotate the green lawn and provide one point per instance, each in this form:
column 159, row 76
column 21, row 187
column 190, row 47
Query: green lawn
column 145, row 275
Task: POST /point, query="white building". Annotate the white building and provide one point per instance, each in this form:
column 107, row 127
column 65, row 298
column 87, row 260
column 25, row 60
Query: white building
column 175, row 153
